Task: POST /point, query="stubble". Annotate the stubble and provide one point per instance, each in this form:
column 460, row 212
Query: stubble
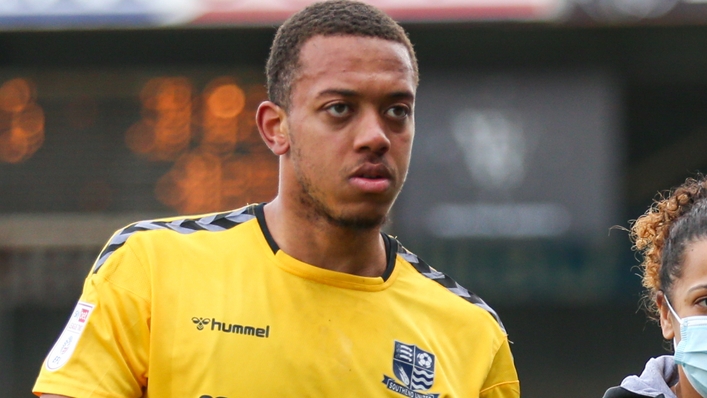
column 310, row 197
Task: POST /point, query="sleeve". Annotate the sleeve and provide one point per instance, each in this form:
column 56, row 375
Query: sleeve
column 502, row 379
column 104, row 348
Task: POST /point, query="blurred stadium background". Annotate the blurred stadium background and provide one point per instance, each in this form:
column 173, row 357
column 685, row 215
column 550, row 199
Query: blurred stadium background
column 540, row 125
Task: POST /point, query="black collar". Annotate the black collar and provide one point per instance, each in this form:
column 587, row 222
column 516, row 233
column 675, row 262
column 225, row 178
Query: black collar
column 391, row 245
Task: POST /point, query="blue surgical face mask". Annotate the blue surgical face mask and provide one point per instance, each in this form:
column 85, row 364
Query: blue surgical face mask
column 691, row 351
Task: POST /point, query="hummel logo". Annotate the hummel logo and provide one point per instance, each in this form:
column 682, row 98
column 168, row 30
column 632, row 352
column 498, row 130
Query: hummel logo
column 200, row 322
column 232, row 328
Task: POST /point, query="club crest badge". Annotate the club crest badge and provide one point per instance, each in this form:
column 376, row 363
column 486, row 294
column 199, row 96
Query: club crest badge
column 414, row 369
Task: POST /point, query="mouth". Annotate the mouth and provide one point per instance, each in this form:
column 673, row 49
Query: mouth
column 373, row 171
column 372, row 178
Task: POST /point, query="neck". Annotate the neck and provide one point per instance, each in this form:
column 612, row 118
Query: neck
column 318, row 242
column 683, row 389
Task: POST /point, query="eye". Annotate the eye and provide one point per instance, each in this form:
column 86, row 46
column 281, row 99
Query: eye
column 702, row 302
column 398, row 112
column 338, row 109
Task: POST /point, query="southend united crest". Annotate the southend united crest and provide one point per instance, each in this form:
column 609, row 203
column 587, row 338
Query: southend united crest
column 414, row 369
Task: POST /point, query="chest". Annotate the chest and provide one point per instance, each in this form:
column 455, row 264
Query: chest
column 237, row 335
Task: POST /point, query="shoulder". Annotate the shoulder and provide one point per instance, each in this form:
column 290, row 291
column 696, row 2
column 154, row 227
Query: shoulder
column 445, row 281
column 174, row 227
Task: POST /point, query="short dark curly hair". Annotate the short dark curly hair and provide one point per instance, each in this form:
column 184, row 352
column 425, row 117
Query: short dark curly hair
column 327, row 18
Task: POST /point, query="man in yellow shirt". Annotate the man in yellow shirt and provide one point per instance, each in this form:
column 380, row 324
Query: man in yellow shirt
column 302, row 296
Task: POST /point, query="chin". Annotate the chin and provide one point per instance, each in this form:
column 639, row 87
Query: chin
column 360, row 217
column 359, row 222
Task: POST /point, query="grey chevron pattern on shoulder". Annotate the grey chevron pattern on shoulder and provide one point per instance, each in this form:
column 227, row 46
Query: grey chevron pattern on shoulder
column 212, row 222
column 446, row 281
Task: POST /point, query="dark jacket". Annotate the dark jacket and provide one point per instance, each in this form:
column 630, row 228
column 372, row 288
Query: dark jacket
column 658, row 376
column 620, row 392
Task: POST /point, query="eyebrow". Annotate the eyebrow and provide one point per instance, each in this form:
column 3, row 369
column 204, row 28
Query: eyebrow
column 403, row 95
column 337, row 91
column 351, row 93
column 704, row 286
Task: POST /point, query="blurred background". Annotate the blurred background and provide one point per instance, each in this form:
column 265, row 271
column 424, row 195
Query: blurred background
column 540, row 125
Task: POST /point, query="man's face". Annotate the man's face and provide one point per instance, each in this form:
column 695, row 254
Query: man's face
column 351, row 127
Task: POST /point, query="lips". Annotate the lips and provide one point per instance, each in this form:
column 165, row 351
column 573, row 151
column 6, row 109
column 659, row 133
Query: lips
column 373, row 171
column 372, row 178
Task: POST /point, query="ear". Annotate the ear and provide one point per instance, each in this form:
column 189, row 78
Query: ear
column 666, row 317
column 272, row 124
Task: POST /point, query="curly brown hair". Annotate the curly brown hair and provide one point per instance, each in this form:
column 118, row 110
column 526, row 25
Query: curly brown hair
column 676, row 219
column 328, row 18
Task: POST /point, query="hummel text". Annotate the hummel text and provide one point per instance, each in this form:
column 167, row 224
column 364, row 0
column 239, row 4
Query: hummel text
column 240, row 329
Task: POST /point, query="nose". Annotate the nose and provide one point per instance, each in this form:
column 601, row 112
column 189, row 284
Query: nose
column 371, row 134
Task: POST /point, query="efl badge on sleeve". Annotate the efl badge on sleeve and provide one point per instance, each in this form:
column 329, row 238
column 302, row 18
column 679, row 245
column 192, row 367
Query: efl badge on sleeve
column 65, row 346
column 414, row 369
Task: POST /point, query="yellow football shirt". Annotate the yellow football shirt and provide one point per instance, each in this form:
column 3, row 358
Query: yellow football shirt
column 210, row 307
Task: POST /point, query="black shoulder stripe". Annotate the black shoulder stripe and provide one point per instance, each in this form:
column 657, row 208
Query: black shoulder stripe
column 192, row 225
column 223, row 223
column 446, row 281
column 213, row 222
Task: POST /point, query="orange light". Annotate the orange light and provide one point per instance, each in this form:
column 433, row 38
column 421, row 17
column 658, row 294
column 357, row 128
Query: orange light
column 172, row 133
column 15, row 94
column 264, row 176
column 248, row 179
column 236, row 176
column 14, row 147
column 220, row 161
column 21, row 121
column 246, row 122
column 193, row 185
column 219, row 135
column 30, row 120
column 225, row 101
column 173, row 93
column 165, row 131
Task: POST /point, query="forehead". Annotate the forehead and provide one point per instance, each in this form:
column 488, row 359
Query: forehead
column 352, row 59
column 694, row 269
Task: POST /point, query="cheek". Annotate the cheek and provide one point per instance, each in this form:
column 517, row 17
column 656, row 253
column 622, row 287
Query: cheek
column 404, row 138
column 315, row 161
column 401, row 150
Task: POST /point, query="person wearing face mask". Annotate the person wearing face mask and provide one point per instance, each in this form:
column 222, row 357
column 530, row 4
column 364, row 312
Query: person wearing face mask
column 672, row 237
